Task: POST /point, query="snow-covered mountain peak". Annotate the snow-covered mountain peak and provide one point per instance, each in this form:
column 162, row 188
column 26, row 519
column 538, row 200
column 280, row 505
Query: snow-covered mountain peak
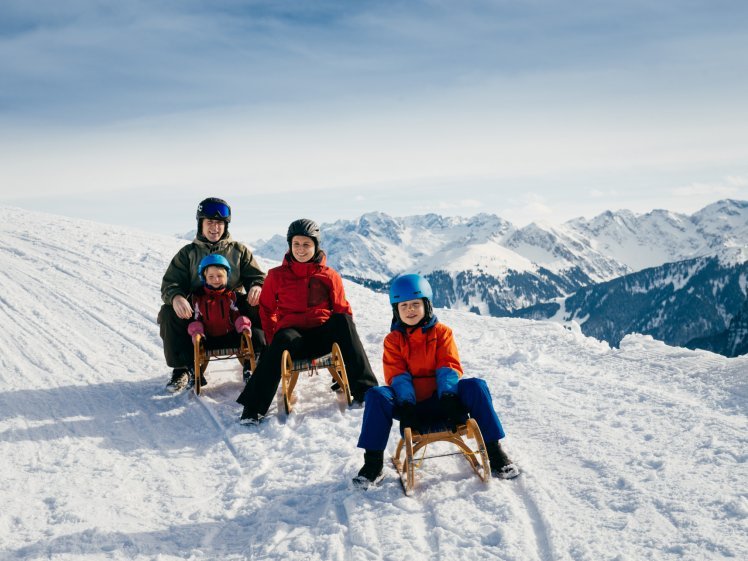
column 724, row 222
column 641, row 241
column 486, row 257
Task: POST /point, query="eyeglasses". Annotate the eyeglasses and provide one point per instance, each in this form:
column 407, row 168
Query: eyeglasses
column 212, row 209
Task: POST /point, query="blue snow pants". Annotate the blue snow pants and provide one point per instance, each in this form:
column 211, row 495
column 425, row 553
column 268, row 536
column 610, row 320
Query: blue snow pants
column 381, row 408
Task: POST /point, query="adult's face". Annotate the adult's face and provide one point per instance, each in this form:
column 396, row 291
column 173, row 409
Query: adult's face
column 213, row 229
column 302, row 248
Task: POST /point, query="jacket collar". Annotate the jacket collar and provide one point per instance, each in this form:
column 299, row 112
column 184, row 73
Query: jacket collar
column 397, row 325
column 199, row 238
column 303, row 269
column 214, row 291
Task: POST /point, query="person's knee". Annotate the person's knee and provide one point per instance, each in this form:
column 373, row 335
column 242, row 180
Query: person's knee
column 167, row 315
column 284, row 337
column 382, row 396
column 471, row 386
column 340, row 319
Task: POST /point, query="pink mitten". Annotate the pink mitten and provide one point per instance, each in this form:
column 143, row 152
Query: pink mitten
column 242, row 323
column 196, row 328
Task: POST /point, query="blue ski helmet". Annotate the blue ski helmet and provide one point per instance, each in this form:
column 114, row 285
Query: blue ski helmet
column 213, row 259
column 409, row 287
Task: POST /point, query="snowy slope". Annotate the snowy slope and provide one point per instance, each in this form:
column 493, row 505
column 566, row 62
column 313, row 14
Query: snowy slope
column 631, row 453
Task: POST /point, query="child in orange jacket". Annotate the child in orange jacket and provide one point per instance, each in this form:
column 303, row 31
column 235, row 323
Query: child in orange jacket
column 425, row 387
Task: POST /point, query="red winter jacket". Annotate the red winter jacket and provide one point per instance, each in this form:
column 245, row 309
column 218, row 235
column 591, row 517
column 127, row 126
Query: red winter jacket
column 216, row 309
column 301, row 295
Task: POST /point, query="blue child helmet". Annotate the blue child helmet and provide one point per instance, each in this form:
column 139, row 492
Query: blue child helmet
column 409, row 287
column 213, row 259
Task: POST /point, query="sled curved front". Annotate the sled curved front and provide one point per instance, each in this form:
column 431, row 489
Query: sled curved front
column 413, row 441
column 290, row 370
column 202, row 356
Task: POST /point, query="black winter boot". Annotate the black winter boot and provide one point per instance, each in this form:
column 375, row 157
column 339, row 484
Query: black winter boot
column 250, row 417
column 501, row 466
column 180, row 379
column 371, row 472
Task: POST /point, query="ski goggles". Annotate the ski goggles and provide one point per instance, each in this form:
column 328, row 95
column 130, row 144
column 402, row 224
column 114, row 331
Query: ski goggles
column 211, row 209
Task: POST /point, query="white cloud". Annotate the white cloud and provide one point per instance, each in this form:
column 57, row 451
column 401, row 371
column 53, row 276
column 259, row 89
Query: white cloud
column 729, row 187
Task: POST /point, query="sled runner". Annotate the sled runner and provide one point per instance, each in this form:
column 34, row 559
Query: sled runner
column 413, row 441
column 290, row 370
column 244, row 353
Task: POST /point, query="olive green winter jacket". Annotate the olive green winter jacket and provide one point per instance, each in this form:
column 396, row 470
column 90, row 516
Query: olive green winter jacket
column 181, row 275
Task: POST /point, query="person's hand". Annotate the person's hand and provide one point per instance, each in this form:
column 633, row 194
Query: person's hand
column 253, row 296
column 242, row 323
column 452, row 409
column 181, row 307
column 195, row 328
column 408, row 416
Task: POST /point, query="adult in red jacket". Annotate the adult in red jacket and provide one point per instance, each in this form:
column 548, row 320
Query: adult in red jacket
column 304, row 310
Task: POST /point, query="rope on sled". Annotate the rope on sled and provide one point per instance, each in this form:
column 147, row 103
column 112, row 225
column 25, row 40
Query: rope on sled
column 425, row 457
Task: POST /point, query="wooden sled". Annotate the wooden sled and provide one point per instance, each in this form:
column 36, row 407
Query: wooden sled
column 244, row 353
column 413, row 441
column 290, row 370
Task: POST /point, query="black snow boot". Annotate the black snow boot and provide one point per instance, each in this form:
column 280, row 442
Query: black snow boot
column 180, row 378
column 250, row 417
column 371, row 472
column 501, row 466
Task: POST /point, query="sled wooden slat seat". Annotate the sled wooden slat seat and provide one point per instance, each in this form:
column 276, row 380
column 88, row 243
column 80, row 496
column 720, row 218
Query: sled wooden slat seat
column 245, row 352
column 290, row 370
column 413, row 441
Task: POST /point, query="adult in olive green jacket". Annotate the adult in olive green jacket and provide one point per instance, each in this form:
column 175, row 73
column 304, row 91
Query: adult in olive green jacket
column 181, row 279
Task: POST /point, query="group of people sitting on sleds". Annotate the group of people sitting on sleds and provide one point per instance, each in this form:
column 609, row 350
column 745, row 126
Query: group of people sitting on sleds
column 215, row 287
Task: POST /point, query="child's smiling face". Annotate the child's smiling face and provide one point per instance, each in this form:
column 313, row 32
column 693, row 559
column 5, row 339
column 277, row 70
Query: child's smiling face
column 411, row 311
column 215, row 277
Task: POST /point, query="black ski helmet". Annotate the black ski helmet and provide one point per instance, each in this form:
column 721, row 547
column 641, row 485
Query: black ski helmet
column 213, row 208
column 304, row 227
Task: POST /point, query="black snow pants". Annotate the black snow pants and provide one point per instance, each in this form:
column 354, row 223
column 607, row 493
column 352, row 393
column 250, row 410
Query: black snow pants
column 309, row 343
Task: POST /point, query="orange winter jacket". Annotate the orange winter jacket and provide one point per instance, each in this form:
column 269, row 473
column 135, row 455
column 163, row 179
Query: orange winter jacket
column 301, row 295
column 421, row 354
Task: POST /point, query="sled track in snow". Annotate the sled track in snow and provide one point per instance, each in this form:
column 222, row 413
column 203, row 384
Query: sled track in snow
column 536, row 518
column 209, row 413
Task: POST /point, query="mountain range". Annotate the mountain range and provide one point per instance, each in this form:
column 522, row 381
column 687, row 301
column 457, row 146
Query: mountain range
column 610, row 274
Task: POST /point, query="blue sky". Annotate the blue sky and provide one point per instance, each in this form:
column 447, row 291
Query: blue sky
column 130, row 112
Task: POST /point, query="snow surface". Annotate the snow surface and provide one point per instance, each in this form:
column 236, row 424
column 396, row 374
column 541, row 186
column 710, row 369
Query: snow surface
column 627, row 454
